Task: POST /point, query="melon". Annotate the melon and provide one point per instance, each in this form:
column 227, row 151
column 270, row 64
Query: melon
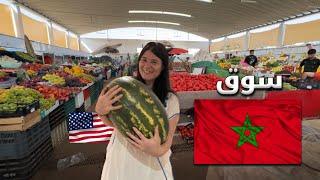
column 141, row 108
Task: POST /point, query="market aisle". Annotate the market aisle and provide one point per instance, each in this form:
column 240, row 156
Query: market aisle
column 182, row 163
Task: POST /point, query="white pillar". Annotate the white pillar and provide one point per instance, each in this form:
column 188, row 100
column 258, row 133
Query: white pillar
column 68, row 39
column 17, row 21
column 224, row 44
column 210, row 42
column 50, row 33
column 282, row 31
column 247, row 41
column 79, row 43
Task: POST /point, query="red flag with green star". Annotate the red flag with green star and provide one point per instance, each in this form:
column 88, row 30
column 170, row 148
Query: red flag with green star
column 247, row 132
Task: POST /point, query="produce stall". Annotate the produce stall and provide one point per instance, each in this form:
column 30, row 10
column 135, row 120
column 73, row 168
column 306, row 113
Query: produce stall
column 190, row 87
column 35, row 100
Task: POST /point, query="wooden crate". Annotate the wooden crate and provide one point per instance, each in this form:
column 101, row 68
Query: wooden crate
column 20, row 123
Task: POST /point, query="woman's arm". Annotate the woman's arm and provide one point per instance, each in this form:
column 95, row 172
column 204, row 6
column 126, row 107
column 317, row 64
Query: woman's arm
column 152, row 146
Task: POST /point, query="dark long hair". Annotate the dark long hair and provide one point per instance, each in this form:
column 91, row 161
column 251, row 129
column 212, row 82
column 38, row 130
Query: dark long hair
column 161, row 85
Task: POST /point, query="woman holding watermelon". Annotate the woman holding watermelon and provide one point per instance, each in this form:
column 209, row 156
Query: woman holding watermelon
column 138, row 157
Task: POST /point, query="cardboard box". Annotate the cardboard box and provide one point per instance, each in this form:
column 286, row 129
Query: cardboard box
column 20, row 123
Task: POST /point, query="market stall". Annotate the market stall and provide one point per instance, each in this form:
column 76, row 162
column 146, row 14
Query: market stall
column 35, row 100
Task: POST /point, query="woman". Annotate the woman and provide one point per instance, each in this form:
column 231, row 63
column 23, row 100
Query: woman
column 138, row 157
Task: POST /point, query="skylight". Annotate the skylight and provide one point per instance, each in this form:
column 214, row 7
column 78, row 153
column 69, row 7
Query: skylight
column 144, row 33
column 154, row 22
column 158, row 12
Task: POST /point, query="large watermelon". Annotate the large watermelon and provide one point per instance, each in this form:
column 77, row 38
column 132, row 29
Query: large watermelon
column 141, row 108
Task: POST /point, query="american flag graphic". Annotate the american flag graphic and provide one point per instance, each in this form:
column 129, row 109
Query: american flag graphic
column 87, row 127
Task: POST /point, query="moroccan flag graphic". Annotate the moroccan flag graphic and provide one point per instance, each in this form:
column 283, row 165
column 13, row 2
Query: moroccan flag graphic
column 247, row 132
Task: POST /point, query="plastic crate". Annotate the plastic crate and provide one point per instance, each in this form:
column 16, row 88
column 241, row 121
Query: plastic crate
column 94, row 97
column 95, row 92
column 186, row 132
column 17, row 144
column 22, row 111
column 45, row 113
column 101, row 84
column 59, row 134
column 26, row 167
column 79, row 99
column 93, row 88
column 57, row 116
column 69, row 106
column 87, row 103
column 81, row 108
column 86, row 93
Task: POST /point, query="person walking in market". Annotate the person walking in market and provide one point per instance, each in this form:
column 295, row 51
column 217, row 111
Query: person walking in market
column 138, row 157
column 310, row 65
column 252, row 60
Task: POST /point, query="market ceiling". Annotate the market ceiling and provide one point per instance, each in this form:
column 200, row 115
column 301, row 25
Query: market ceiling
column 209, row 20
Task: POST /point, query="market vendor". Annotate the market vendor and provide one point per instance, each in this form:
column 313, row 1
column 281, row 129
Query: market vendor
column 310, row 64
column 252, row 60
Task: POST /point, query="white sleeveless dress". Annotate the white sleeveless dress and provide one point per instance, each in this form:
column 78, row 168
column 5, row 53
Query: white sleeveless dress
column 125, row 162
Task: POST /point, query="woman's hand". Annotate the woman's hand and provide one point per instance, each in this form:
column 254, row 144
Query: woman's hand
column 106, row 99
column 150, row 146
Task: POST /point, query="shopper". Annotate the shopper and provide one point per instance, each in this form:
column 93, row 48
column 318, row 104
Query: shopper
column 310, row 65
column 252, row 60
column 309, row 46
column 141, row 158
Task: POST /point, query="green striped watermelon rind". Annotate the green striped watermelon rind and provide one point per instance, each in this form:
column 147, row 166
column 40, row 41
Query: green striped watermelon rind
column 141, row 108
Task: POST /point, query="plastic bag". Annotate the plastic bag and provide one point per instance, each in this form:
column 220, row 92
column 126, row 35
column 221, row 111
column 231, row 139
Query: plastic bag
column 70, row 161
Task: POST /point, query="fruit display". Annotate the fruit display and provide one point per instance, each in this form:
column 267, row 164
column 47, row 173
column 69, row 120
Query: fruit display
column 86, row 78
column 272, row 64
column 17, row 97
column 31, row 83
column 75, row 70
column 234, row 60
column 62, row 94
column 224, row 65
column 54, row 79
column 263, row 58
column 188, row 82
column 79, row 72
column 34, row 67
column 288, row 68
column 186, row 131
column 8, row 62
column 3, row 76
column 276, row 69
column 25, row 56
column 74, row 82
column 46, row 104
column 283, row 57
column 317, row 76
column 31, row 73
column 287, row 86
column 140, row 108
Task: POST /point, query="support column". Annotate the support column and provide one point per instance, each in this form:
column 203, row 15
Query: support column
column 246, row 41
column 282, row 31
column 17, row 21
column 68, row 39
column 50, row 33
column 210, row 43
column 79, row 43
